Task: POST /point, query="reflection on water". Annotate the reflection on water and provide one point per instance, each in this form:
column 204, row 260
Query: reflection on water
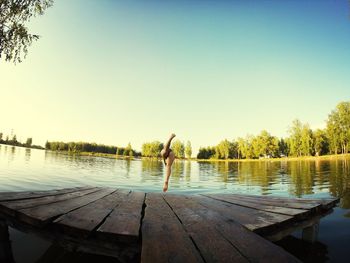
column 31, row 169
column 307, row 252
column 27, row 154
column 151, row 167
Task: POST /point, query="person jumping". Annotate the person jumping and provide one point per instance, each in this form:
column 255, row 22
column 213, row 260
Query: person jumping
column 168, row 158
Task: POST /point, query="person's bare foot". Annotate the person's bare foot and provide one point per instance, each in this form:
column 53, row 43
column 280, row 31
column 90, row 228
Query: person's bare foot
column 165, row 187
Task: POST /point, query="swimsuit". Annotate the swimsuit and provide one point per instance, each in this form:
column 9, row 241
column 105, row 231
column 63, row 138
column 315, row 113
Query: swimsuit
column 166, row 155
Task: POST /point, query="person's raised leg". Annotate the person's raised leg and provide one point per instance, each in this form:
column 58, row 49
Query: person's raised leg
column 167, row 144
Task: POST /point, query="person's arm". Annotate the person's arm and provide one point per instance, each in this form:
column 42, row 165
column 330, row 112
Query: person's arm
column 167, row 144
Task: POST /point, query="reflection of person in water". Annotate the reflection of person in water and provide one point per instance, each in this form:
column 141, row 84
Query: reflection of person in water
column 168, row 157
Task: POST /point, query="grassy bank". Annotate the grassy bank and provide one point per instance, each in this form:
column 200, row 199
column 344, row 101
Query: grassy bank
column 302, row 158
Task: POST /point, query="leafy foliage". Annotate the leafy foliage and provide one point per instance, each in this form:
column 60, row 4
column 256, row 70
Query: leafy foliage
column 320, row 142
column 188, row 149
column 77, row 147
column 29, row 142
column 338, row 128
column 14, row 36
column 302, row 141
column 13, row 141
column 206, row 153
column 152, row 149
column 178, row 149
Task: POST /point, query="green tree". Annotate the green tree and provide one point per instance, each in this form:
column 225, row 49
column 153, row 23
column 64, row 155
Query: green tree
column 120, row 151
column 306, row 147
column 151, row 149
column 274, row 147
column 249, row 154
column 241, row 148
column 295, row 138
column 128, row 150
column 283, row 147
column 223, row 149
column 14, row 139
column 188, row 150
column 1, row 136
column 338, row 128
column 245, row 147
column 333, row 134
column 320, row 142
column 265, row 145
column 206, row 153
column 178, row 149
column 29, row 142
column 72, row 147
column 14, row 36
column 233, row 153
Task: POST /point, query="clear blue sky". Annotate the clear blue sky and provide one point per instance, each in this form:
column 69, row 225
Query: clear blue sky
column 115, row 72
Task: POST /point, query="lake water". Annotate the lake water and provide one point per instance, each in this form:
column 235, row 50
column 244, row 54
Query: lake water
column 29, row 169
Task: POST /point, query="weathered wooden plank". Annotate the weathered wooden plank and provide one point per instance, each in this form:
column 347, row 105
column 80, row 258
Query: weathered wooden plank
column 288, row 230
column 213, row 246
column 325, row 203
column 41, row 215
column 10, row 207
column 124, row 253
column 8, row 196
column 298, row 213
column 84, row 220
column 255, row 220
column 163, row 236
column 123, row 223
column 281, row 202
column 198, row 219
column 204, row 228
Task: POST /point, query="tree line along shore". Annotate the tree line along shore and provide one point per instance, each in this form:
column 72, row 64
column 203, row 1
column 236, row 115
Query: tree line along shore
column 302, row 142
column 14, row 142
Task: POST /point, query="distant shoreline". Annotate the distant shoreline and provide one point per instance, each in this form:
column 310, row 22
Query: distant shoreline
column 303, row 158
column 38, row 147
column 114, row 156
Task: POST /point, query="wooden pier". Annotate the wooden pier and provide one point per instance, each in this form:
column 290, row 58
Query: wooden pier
column 153, row 227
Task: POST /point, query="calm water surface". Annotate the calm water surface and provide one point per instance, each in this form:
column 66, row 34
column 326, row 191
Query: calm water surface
column 29, row 169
